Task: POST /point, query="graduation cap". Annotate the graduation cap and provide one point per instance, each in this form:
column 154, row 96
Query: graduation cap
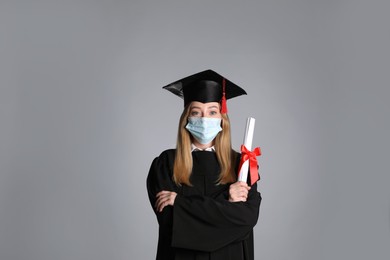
column 205, row 86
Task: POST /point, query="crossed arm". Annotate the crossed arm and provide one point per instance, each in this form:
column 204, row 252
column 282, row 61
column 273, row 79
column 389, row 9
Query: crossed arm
column 237, row 192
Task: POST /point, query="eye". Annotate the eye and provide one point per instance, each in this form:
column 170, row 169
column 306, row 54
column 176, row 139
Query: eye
column 194, row 113
column 213, row 113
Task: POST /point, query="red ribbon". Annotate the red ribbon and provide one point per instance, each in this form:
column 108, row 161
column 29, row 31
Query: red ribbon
column 251, row 156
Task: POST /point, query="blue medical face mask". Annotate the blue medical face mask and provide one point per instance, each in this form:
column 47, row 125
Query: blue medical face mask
column 204, row 129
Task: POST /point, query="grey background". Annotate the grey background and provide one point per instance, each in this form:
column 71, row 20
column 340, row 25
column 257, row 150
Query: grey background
column 82, row 115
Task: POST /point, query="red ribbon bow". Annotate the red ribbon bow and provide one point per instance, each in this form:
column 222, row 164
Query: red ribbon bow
column 251, row 156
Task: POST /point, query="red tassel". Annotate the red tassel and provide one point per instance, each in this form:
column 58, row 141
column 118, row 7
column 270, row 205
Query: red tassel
column 223, row 101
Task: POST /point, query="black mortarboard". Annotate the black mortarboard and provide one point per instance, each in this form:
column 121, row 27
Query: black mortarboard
column 205, row 86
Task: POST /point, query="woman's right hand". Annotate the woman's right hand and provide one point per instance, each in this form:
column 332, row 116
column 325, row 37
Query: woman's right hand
column 238, row 191
column 165, row 198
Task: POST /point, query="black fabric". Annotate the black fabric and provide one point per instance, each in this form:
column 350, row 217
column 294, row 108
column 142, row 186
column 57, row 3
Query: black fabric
column 202, row 224
column 203, row 91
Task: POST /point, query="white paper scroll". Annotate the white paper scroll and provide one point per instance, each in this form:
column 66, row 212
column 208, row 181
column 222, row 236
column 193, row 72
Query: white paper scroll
column 248, row 138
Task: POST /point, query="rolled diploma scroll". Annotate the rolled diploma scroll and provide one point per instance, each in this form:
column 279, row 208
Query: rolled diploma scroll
column 248, row 138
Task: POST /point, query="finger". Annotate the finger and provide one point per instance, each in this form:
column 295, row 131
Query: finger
column 159, row 201
column 240, row 185
column 157, row 204
column 240, row 191
column 242, row 197
column 161, row 205
column 159, row 208
column 244, row 191
column 241, row 194
column 160, row 196
column 164, row 201
column 162, row 193
column 244, row 184
column 236, row 188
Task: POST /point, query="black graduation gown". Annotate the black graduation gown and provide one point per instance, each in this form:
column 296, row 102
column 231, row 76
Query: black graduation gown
column 202, row 224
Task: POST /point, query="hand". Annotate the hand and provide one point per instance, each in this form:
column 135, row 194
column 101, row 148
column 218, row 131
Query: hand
column 238, row 191
column 164, row 198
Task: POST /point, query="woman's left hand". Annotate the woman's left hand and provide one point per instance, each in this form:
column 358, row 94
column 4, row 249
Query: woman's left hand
column 238, row 191
column 164, row 198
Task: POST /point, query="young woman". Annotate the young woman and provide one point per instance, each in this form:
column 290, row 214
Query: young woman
column 202, row 211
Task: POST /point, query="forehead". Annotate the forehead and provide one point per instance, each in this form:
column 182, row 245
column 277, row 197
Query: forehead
column 200, row 105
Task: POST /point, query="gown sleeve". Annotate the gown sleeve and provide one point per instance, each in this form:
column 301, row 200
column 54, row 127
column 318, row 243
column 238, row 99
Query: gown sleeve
column 208, row 224
column 160, row 178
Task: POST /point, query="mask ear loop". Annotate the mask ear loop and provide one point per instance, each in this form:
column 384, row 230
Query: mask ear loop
column 223, row 101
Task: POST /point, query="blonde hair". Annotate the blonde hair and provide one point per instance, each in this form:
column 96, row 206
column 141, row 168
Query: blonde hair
column 182, row 167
